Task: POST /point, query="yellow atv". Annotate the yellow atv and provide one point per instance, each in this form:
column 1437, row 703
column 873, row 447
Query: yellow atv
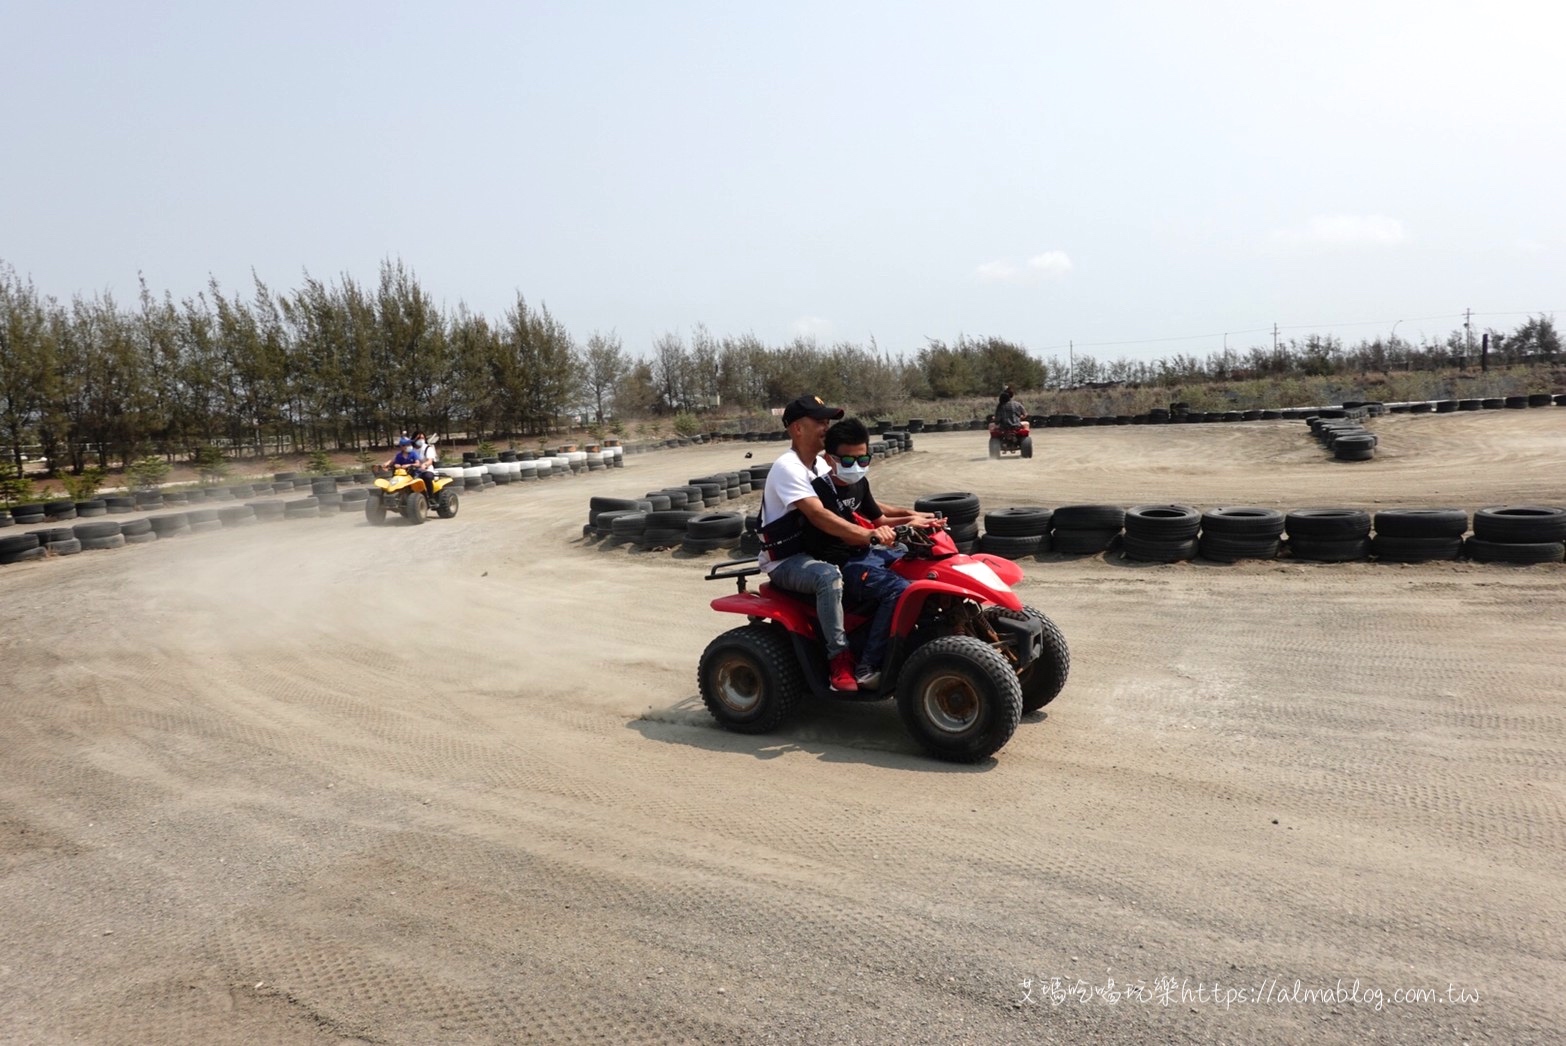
column 405, row 494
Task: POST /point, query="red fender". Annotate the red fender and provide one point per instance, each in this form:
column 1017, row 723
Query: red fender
column 790, row 614
column 1004, row 568
column 912, row 602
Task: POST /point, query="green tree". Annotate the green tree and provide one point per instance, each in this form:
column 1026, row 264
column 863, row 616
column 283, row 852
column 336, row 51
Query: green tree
column 26, row 360
column 604, row 366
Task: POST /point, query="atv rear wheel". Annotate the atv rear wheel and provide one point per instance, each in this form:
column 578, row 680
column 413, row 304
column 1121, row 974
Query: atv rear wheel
column 959, row 698
column 1027, row 446
column 1043, row 680
column 374, row 509
column 749, row 679
column 415, row 508
column 446, row 503
column 995, row 447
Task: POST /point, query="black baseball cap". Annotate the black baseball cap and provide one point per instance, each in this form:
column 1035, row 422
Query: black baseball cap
column 810, row 407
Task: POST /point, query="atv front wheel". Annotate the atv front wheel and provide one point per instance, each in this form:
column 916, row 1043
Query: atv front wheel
column 446, row 504
column 415, row 508
column 1027, row 446
column 1044, row 679
column 995, row 447
column 959, row 698
column 749, row 679
column 374, row 509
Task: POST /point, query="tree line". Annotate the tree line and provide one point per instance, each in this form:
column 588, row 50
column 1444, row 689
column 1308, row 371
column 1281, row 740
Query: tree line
column 345, row 364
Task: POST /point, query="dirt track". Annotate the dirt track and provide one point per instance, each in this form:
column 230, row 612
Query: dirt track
column 314, row 782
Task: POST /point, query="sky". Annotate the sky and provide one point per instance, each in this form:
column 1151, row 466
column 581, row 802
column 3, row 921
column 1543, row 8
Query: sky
column 1127, row 179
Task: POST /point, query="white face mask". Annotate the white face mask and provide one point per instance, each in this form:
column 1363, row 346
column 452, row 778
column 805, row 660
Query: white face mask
column 419, row 444
column 850, row 473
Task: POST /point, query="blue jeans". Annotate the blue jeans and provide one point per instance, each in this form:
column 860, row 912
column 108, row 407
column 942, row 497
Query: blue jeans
column 805, row 574
column 865, row 579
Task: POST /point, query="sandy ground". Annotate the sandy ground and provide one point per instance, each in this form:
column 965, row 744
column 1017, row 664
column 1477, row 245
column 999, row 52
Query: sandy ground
column 314, row 782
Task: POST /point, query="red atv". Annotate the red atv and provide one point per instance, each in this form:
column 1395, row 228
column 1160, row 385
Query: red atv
column 966, row 657
column 1007, row 440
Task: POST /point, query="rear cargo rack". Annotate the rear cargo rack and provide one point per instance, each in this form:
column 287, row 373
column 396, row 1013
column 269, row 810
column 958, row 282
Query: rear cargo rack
column 736, row 569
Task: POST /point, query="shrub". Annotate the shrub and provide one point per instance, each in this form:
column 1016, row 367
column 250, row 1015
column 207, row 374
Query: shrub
column 486, row 449
column 319, row 464
column 686, row 424
column 209, row 461
column 83, row 487
column 15, row 488
column 147, row 473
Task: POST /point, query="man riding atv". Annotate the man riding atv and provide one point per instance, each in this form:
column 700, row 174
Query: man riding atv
column 1009, row 427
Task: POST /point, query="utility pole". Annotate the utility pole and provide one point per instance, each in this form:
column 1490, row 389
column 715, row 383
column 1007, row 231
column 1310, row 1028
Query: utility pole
column 1071, row 364
column 1468, row 336
column 1275, row 338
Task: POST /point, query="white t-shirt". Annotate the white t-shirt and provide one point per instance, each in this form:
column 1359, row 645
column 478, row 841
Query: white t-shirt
column 788, row 483
column 429, row 455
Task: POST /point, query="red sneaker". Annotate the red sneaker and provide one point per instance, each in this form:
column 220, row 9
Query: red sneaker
column 841, row 671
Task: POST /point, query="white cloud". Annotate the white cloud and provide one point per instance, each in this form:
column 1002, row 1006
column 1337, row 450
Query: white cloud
column 1344, row 230
column 1051, row 265
column 813, row 327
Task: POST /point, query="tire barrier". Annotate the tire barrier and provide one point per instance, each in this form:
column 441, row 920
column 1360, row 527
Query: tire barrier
column 1016, row 532
column 1084, row 530
column 1231, row 534
column 1161, row 533
column 1518, row 534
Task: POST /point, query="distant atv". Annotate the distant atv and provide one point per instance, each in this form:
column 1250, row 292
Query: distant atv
column 397, row 491
column 1008, row 440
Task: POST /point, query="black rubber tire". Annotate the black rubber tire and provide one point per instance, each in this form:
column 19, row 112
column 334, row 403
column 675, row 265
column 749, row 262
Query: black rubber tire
column 661, row 537
column 959, row 698
column 995, row 447
column 68, row 547
column 237, row 516
column 603, row 526
column 1014, row 546
column 1421, row 523
column 1223, row 548
column 140, row 539
column 631, row 525
column 1018, row 521
column 1328, row 524
column 447, row 502
column 106, row 542
column 61, row 510
column 721, row 525
column 1082, row 542
column 1089, row 517
column 91, row 507
column 415, row 508
column 701, row 546
column 1043, row 680
column 1394, row 549
column 23, row 555
column 1242, row 522
column 98, row 529
column 374, row 509
column 1154, row 550
column 136, row 527
column 749, row 679
column 1329, row 550
column 18, row 542
column 1484, row 551
column 1027, row 446
column 957, row 507
column 596, row 505
column 674, row 519
column 1162, row 524
column 171, row 524
column 1525, row 524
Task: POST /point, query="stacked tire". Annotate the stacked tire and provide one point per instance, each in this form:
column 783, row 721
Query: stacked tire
column 99, row 534
column 961, row 510
column 1085, row 530
column 712, row 531
column 666, row 529
column 1231, row 534
column 19, row 548
column 1016, row 532
column 1328, row 535
column 1418, row 535
column 1161, row 533
column 1518, row 534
